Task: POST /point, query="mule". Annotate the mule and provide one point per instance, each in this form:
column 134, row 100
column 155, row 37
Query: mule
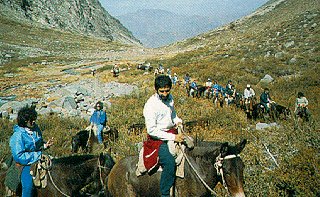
column 303, row 113
column 200, row 91
column 136, row 128
column 282, row 112
column 218, row 100
column 78, row 175
column 84, row 141
column 80, row 141
column 213, row 162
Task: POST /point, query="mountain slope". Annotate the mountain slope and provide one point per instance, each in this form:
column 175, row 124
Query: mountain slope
column 86, row 17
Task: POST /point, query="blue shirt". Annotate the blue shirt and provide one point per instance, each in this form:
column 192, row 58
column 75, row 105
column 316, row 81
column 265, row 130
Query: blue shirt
column 26, row 148
column 99, row 117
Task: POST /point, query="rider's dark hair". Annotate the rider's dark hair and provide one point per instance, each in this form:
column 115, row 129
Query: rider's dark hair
column 99, row 103
column 266, row 89
column 26, row 114
column 300, row 94
column 162, row 81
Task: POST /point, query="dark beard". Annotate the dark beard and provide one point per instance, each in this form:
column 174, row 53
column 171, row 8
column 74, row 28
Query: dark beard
column 164, row 98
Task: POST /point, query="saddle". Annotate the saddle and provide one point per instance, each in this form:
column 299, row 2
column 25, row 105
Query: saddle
column 39, row 171
column 176, row 149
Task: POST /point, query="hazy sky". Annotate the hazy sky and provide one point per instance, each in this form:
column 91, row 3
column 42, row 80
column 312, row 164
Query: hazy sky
column 211, row 8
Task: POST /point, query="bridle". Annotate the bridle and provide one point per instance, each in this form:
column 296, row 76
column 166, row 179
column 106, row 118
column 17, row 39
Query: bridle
column 218, row 166
column 100, row 176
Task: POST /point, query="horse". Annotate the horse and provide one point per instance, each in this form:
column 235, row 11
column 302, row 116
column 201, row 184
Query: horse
column 77, row 175
column 259, row 112
column 80, row 140
column 205, row 166
column 200, row 91
column 84, row 139
column 302, row 113
column 248, row 106
column 136, row 128
column 282, row 111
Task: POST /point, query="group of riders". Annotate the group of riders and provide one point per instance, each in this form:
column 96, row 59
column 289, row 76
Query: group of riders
column 247, row 100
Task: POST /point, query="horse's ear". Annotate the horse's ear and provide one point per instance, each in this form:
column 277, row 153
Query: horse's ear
column 241, row 145
column 101, row 157
column 224, row 149
column 109, row 151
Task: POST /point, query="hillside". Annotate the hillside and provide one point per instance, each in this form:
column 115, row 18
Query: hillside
column 286, row 47
column 280, row 39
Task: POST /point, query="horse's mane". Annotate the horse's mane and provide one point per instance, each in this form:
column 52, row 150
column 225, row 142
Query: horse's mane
column 74, row 159
column 205, row 152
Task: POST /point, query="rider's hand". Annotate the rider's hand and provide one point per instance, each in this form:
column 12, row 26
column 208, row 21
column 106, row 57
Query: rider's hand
column 49, row 143
column 179, row 137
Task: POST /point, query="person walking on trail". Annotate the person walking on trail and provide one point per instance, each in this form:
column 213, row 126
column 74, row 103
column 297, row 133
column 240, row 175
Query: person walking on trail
column 27, row 145
column 98, row 121
column 161, row 120
column 301, row 105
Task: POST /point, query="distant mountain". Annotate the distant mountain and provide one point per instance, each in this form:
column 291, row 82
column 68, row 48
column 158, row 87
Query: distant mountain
column 86, row 17
column 154, row 27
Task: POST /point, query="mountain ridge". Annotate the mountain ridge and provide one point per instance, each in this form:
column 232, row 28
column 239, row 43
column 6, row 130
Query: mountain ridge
column 156, row 27
column 78, row 16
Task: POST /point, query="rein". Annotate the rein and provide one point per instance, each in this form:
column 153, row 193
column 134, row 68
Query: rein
column 218, row 166
column 100, row 175
column 198, row 175
column 180, row 129
column 100, row 172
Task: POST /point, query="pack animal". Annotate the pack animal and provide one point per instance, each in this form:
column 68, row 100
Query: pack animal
column 214, row 162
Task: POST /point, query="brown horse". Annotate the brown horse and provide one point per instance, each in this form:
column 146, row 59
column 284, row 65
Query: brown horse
column 206, row 165
column 78, row 175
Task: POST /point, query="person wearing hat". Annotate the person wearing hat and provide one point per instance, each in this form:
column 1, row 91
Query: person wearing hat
column 248, row 92
column 248, row 95
column 208, row 86
column 175, row 79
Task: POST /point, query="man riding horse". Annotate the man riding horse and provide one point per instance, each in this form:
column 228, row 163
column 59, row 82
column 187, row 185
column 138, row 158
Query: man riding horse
column 161, row 119
column 248, row 95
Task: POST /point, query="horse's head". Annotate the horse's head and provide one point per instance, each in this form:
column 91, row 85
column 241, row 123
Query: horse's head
column 230, row 167
column 105, row 164
column 75, row 143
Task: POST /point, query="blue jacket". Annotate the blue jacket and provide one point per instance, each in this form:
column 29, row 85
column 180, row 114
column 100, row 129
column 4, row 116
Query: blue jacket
column 26, row 148
column 217, row 87
column 194, row 85
column 99, row 117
